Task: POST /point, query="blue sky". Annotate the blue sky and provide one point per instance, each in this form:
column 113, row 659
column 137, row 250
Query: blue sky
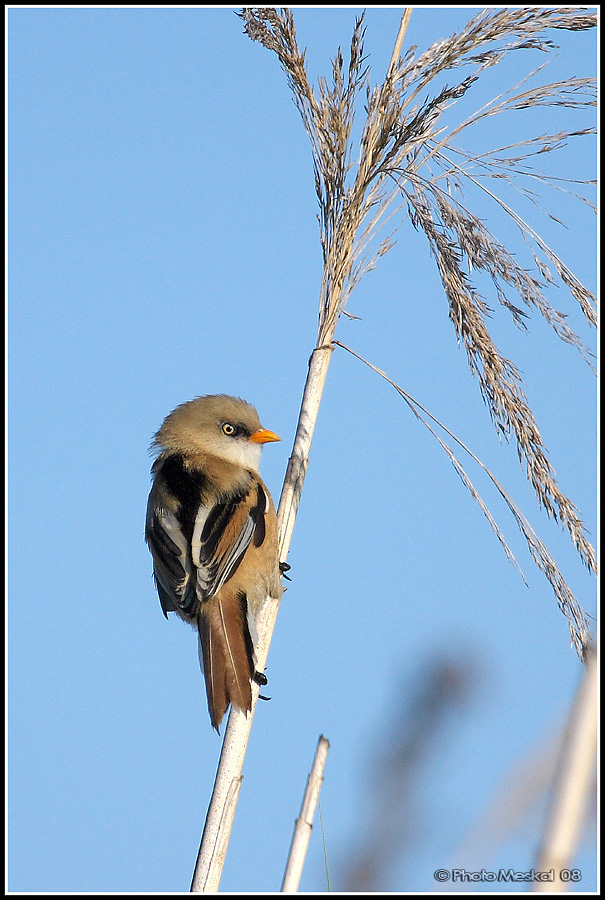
column 163, row 244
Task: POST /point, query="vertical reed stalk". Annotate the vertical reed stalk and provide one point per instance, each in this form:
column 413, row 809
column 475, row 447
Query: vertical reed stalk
column 221, row 812
column 304, row 824
column 573, row 784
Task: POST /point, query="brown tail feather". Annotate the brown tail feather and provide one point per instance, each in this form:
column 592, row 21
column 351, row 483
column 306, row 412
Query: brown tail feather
column 226, row 647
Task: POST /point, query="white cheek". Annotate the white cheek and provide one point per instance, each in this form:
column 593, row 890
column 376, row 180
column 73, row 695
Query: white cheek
column 245, row 454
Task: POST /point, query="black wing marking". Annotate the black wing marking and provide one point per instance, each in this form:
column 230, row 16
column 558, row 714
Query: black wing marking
column 217, row 555
column 168, row 532
column 172, row 569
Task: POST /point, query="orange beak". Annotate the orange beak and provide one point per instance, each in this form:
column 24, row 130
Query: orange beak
column 263, row 436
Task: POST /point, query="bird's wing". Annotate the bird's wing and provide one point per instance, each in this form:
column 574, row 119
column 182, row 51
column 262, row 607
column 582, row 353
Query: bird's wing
column 222, row 534
column 172, row 569
column 188, row 573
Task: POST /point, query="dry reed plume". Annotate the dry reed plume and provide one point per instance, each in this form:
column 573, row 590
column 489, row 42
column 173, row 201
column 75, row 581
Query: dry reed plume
column 408, row 161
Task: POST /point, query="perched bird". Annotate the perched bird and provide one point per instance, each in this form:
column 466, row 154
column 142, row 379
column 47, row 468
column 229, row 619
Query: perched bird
column 212, row 532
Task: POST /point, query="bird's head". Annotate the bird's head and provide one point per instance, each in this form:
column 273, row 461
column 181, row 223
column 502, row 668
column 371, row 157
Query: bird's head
column 217, row 425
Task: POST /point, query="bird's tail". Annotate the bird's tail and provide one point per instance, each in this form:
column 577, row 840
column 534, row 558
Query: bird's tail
column 226, row 653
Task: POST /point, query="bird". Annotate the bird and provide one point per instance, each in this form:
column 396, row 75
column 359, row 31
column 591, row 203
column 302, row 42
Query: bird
column 211, row 528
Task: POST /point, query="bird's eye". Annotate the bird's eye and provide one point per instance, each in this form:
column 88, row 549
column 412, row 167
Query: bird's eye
column 228, row 429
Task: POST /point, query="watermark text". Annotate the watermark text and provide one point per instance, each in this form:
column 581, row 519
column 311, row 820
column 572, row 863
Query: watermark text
column 462, row 876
